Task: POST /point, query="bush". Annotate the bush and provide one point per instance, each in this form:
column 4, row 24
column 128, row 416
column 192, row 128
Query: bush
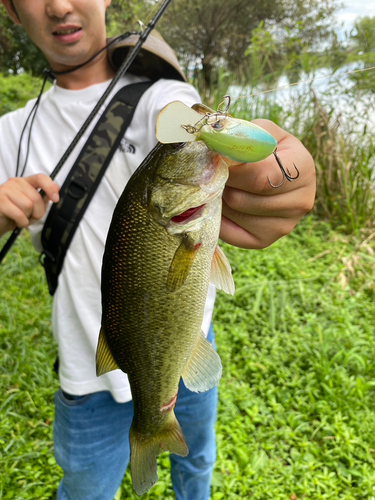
column 17, row 90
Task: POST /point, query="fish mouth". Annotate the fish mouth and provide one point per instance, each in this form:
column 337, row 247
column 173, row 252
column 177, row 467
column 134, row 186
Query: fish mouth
column 189, row 214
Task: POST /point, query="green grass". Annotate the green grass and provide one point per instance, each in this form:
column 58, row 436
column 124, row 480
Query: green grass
column 297, row 412
column 27, row 381
column 297, row 398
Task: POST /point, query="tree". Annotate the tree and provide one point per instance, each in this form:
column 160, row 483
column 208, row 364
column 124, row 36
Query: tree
column 206, row 34
column 17, row 52
column 123, row 15
column 364, row 34
column 214, row 33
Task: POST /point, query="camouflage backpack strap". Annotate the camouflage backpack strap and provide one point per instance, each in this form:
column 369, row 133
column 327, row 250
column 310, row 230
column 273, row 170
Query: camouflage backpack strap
column 84, row 177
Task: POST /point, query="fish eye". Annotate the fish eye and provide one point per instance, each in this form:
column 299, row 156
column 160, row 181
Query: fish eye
column 217, row 126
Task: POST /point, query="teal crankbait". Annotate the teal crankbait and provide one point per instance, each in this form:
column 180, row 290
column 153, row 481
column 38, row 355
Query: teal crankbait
column 237, row 139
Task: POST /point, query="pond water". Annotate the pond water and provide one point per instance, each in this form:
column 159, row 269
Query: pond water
column 335, row 93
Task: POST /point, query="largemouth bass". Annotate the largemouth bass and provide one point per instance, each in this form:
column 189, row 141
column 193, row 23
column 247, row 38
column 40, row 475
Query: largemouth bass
column 160, row 255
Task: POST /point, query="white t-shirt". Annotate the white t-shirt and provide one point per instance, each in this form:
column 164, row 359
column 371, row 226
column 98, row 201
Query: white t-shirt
column 76, row 315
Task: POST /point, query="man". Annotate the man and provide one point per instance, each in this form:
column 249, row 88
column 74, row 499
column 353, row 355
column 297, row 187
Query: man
column 93, row 415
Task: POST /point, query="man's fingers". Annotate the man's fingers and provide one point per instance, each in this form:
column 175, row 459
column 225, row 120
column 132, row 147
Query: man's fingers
column 46, row 184
column 253, row 231
column 255, row 214
column 24, row 193
column 292, row 204
column 255, row 177
column 16, row 214
column 20, row 200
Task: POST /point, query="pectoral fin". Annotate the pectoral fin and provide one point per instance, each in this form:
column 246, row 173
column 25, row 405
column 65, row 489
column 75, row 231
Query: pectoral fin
column 221, row 273
column 203, row 370
column 181, row 264
column 104, row 359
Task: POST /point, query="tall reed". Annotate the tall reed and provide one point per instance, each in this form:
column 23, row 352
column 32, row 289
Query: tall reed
column 344, row 159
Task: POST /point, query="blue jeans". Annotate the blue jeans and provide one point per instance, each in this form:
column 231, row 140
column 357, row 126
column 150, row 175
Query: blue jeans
column 91, row 435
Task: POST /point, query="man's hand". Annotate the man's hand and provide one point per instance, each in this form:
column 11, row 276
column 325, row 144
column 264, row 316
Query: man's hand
column 255, row 215
column 21, row 203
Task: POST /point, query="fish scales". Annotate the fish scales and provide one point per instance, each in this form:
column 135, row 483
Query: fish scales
column 156, row 270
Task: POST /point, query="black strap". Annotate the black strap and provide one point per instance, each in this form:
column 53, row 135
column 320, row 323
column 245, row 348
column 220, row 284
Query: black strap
column 84, row 178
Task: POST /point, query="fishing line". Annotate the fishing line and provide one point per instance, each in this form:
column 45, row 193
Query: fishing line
column 335, row 75
column 32, row 116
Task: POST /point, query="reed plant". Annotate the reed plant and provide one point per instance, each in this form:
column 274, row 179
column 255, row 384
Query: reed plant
column 342, row 144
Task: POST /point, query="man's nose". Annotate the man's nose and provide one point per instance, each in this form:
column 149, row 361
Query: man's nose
column 59, row 8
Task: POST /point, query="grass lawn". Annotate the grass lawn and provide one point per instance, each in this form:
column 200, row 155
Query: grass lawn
column 297, row 398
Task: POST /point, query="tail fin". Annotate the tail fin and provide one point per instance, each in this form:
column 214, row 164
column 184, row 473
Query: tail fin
column 144, row 451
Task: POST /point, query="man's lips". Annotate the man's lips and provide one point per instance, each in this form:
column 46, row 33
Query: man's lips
column 67, row 33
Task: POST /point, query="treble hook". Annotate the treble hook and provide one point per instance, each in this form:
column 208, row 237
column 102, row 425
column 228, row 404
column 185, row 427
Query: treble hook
column 210, row 118
column 286, row 173
column 226, row 104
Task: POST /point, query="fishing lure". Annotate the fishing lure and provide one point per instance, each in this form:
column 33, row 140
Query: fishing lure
column 237, row 139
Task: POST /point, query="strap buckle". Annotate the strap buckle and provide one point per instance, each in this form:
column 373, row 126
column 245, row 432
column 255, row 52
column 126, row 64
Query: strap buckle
column 77, row 189
column 46, row 255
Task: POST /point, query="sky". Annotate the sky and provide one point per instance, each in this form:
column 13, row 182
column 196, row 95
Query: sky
column 353, row 9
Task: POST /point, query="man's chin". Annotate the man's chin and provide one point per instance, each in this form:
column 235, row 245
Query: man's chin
column 71, row 57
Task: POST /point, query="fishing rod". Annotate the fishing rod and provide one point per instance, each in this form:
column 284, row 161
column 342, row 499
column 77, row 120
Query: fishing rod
column 120, row 72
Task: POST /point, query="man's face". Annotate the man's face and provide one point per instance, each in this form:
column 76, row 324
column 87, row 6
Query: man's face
column 68, row 32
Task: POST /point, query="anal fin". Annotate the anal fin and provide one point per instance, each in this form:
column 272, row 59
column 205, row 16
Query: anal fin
column 203, row 369
column 104, row 358
column 221, row 273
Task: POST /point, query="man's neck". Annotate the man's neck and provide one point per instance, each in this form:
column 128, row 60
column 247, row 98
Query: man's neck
column 97, row 71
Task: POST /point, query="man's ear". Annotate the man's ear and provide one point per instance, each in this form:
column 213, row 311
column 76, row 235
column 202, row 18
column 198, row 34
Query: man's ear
column 9, row 5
